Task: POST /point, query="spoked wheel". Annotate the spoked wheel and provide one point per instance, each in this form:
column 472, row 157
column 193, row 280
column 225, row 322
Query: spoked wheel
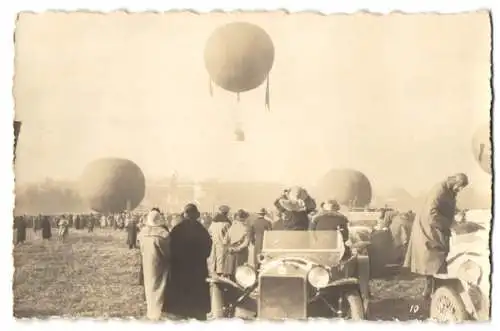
column 447, row 306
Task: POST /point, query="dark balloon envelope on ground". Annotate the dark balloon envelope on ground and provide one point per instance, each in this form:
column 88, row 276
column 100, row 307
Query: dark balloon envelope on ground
column 348, row 186
column 481, row 147
column 112, row 185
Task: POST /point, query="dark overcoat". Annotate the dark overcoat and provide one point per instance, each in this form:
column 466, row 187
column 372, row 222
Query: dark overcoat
column 188, row 292
column 21, row 226
column 257, row 229
column 132, row 230
column 46, row 228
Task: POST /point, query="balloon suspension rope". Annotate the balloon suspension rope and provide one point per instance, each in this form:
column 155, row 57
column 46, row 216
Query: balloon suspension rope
column 267, row 95
column 239, row 132
column 210, row 87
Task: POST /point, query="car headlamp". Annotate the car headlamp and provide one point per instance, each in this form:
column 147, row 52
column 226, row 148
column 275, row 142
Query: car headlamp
column 245, row 276
column 318, row 277
column 469, row 272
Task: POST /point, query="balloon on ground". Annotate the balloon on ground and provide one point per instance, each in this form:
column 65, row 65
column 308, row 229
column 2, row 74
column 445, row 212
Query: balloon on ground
column 481, row 147
column 348, row 186
column 112, row 185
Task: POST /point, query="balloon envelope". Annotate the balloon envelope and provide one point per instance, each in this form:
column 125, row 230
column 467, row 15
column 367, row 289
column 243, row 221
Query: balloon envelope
column 239, row 56
column 349, row 187
column 481, row 147
column 17, row 130
column 112, row 185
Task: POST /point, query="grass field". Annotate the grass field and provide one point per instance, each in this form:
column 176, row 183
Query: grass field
column 96, row 275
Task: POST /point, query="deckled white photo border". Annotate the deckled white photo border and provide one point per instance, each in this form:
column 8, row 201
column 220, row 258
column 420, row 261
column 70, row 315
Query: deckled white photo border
column 8, row 10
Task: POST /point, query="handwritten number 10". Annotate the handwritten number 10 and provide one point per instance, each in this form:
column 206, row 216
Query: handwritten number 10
column 414, row 309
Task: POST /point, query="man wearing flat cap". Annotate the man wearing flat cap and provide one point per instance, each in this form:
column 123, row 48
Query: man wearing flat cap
column 188, row 294
column 257, row 229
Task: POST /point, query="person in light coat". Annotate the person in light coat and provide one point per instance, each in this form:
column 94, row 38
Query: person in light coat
column 218, row 232
column 429, row 243
column 238, row 237
column 155, row 254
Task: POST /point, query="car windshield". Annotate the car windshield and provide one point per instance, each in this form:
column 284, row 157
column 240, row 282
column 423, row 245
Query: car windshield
column 302, row 240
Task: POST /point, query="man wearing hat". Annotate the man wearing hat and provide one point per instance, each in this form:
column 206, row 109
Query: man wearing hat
column 188, row 293
column 223, row 215
column 329, row 218
column 155, row 255
column 238, row 239
column 295, row 204
column 257, row 229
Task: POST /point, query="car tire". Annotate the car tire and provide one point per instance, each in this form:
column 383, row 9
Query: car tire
column 450, row 297
column 356, row 308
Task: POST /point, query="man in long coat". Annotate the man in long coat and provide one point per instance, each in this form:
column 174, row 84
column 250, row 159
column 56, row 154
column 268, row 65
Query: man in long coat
column 46, row 228
column 20, row 226
column 188, row 292
column 429, row 242
column 155, row 258
column 132, row 229
column 257, row 228
column 218, row 232
column 238, row 239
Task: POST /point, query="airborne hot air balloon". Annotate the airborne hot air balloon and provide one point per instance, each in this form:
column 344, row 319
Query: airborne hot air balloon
column 349, row 187
column 238, row 58
column 481, row 147
column 112, row 185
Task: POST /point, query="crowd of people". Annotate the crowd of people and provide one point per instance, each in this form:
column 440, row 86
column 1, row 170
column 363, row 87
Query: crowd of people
column 179, row 251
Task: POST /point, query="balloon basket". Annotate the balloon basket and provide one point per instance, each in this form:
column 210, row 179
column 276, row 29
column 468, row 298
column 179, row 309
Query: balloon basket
column 239, row 135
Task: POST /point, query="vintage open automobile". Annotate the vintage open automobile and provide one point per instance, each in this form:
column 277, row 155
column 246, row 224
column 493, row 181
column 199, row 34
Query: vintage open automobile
column 302, row 274
column 463, row 293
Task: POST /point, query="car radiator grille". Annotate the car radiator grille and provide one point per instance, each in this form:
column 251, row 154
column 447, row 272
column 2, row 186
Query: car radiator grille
column 282, row 298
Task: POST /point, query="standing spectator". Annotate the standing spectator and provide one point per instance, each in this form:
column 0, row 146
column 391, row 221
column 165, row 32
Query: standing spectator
column 154, row 245
column 430, row 235
column 295, row 204
column 46, row 228
column 238, row 241
column 91, row 223
column 188, row 289
column 63, row 225
column 132, row 229
column 20, row 226
column 218, row 232
column 257, row 229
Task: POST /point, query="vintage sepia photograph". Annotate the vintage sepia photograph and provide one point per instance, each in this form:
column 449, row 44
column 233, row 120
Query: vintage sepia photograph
column 253, row 165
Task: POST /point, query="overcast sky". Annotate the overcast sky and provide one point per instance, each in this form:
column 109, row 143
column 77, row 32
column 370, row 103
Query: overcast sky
column 397, row 97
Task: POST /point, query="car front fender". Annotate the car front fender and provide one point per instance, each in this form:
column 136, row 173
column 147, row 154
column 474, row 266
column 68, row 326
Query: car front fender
column 224, row 282
column 341, row 282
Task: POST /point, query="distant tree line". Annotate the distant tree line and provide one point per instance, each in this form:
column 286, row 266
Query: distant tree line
column 48, row 197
